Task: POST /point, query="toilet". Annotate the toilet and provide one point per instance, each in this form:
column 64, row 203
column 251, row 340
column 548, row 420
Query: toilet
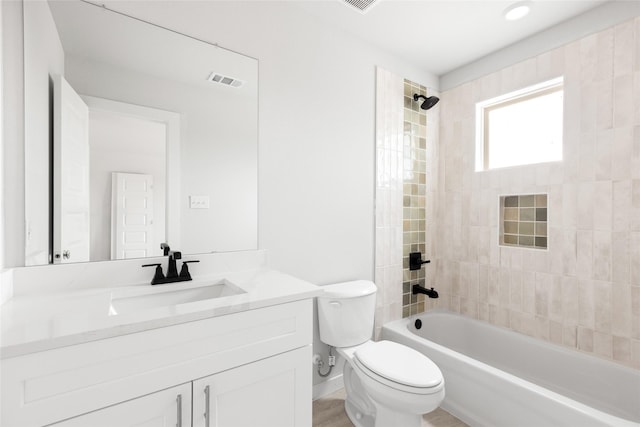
column 387, row 384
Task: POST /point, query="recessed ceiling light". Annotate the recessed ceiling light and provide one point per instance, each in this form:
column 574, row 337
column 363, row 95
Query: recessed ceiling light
column 517, row 11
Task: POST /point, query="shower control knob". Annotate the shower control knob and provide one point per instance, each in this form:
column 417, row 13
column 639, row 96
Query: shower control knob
column 415, row 261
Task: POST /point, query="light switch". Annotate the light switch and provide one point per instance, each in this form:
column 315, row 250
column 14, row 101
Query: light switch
column 199, row 202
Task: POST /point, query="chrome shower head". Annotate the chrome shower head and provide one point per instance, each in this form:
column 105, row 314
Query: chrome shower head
column 428, row 101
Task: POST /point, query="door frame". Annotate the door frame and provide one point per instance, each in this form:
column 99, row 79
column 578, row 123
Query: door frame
column 173, row 150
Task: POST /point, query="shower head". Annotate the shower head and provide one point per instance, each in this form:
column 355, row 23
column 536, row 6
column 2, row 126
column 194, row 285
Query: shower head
column 428, row 102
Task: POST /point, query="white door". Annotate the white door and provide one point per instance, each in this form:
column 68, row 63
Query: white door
column 70, row 174
column 131, row 215
column 167, row 408
column 273, row 392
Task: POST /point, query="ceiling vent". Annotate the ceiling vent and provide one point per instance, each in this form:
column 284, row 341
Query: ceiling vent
column 362, row 5
column 224, row 80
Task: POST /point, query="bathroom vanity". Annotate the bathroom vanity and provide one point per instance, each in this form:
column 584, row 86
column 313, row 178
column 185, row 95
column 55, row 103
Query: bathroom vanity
column 93, row 343
column 241, row 358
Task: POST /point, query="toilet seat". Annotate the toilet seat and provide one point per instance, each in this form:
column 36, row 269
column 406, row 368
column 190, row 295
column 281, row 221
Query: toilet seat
column 399, row 367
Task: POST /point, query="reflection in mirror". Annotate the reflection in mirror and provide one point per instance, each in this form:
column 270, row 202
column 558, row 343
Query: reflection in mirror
column 135, row 135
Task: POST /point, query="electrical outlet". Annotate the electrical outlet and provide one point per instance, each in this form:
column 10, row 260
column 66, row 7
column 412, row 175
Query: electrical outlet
column 199, row 202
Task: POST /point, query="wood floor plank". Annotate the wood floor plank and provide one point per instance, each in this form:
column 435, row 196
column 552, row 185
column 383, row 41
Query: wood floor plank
column 329, row 411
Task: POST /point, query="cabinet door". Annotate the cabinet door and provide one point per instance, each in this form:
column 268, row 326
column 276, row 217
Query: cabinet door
column 167, row 408
column 273, row 392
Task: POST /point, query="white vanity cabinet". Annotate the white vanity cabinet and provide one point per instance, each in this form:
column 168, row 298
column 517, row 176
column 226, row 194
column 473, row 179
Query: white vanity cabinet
column 273, row 392
column 171, row 407
column 255, row 363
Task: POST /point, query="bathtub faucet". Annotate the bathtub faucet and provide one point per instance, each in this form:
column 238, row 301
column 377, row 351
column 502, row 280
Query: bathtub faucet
column 417, row 289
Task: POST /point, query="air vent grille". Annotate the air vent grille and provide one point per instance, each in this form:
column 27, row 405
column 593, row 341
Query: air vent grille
column 361, row 5
column 224, row 80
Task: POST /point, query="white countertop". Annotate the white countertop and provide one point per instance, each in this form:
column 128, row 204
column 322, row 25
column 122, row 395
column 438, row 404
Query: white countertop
column 33, row 323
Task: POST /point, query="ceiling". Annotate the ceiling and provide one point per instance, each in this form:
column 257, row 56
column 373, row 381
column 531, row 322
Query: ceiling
column 442, row 35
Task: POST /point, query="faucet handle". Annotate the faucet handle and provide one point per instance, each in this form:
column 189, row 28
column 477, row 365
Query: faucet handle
column 184, row 271
column 415, row 261
column 158, row 275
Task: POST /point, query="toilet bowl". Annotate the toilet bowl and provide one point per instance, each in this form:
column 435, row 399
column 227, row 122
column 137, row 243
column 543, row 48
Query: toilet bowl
column 387, row 384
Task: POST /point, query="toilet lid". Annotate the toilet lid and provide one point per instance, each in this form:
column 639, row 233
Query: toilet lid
column 400, row 364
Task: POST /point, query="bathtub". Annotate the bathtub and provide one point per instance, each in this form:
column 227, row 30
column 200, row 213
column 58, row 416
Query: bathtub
column 496, row 377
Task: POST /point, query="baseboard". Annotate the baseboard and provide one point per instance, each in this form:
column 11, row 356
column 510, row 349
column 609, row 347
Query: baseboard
column 327, row 387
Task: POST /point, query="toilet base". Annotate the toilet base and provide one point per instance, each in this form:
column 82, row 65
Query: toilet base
column 363, row 412
column 357, row 417
column 387, row 417
column 383, row 418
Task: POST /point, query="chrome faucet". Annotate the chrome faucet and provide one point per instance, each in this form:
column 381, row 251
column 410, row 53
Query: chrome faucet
column 172, row 270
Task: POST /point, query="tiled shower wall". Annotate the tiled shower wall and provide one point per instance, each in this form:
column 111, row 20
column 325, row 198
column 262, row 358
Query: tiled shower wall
column 584, row 291
column 389, row 163
column 414, row 195
column 395, row 173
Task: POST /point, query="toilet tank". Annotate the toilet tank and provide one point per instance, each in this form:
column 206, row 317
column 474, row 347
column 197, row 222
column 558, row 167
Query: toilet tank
column 346, row 313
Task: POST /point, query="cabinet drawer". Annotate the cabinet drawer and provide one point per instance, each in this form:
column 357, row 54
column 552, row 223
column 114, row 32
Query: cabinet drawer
column 164, row 408
column 50, row 386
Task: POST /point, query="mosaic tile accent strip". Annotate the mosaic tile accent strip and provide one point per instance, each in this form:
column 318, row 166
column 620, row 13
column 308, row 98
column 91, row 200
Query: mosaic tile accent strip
column 523, row 221
column 414, row 196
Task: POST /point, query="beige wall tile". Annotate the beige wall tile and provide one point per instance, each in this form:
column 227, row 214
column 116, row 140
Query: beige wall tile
column 621, row 349
column 621, row 206
column 623, row 48
column 584, row 253
column 621, row 304
column 635, row 312
column 620, row 155
column 603, row 152
column 602, row 303
column 584, row 291
column 620, row 266
column 586, row 303
column 635, row 353
column 602, row 205
column 603, row 344
column 585, row 339
column 602, row 255
column 570, row 300
column 555, row 331
column 570, row 336
column 623, row 100
column 634, row 254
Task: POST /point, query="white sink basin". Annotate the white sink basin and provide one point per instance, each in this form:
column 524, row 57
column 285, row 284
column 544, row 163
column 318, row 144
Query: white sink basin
column 130, row 304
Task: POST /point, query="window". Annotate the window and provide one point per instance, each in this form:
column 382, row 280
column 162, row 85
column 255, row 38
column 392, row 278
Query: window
column 520, row 128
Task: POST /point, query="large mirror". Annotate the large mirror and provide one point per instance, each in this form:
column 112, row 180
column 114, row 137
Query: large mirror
column 134, row 135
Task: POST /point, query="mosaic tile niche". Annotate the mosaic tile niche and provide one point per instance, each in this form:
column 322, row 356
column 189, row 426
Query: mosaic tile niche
column 524, row 221
column 414, row 196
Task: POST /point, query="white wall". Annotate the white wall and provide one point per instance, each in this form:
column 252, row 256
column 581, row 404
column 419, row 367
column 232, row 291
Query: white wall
column 123, row 144
column 43, row 58
column 12, row 133
column 2, row 202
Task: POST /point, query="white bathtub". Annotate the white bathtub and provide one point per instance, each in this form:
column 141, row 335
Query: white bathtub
column 496, row 377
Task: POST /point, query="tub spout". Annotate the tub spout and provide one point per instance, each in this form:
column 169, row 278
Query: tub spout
column 417, row 289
